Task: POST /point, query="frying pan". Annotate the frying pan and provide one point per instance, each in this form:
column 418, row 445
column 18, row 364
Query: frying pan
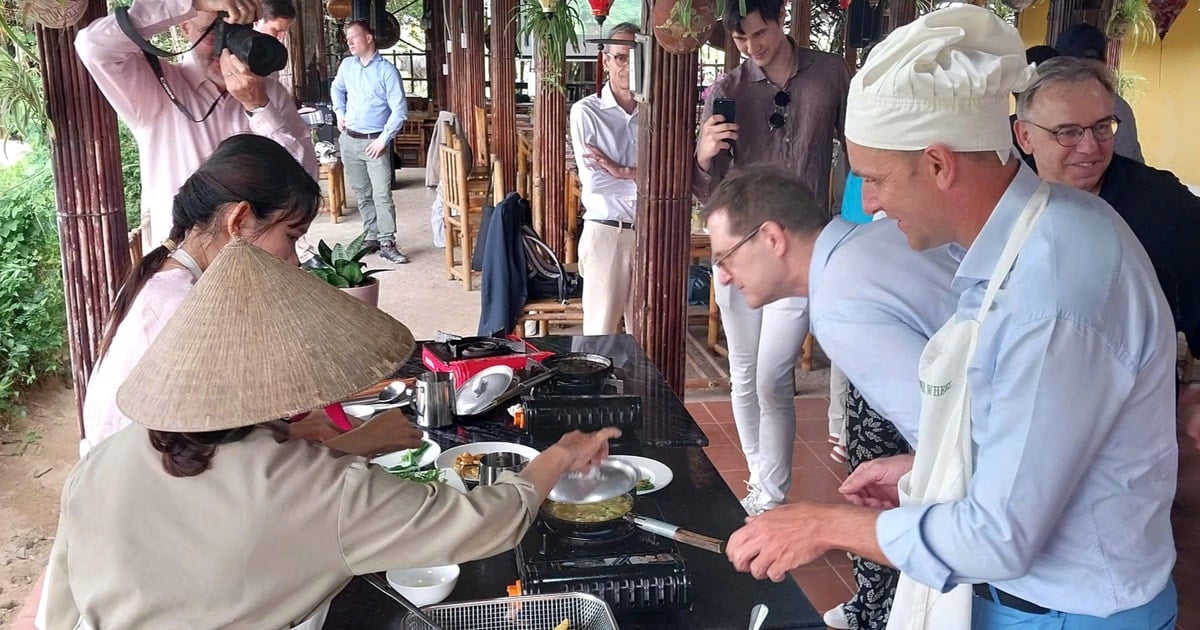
column 641, row 522
column 579, row 368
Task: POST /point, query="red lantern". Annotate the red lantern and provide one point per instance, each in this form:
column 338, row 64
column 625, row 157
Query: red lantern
column 1165, row 12
column 600, row 9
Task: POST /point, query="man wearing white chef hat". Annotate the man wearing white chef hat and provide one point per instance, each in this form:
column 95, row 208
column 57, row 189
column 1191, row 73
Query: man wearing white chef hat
column 1046, row 463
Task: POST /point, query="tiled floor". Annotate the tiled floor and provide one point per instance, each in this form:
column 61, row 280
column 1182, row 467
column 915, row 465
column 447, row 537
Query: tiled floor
column 815, row 477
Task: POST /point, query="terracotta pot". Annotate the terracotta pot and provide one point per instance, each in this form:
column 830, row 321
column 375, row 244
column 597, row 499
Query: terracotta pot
column 338, row 9
column 368, row 293
column 1118, row 28
column 682, row 26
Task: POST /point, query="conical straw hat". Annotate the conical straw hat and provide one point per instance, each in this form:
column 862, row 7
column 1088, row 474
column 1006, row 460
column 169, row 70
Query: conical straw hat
column 257, row 340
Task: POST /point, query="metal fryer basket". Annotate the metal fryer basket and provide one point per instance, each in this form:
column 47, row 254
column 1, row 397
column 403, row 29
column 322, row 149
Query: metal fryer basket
column 526, row 612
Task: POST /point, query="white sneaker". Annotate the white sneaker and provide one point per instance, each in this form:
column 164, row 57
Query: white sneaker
column 753, row 502
column 836, row 617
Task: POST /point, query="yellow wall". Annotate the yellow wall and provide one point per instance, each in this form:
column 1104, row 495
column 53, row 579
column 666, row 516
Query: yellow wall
column 1168, row 100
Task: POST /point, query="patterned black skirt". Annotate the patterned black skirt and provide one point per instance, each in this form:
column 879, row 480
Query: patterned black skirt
column 868, row 436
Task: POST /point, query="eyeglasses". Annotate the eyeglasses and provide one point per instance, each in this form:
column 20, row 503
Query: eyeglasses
column 1071, row 135
column 779, row 117
column 719, row 261
column 620, row 60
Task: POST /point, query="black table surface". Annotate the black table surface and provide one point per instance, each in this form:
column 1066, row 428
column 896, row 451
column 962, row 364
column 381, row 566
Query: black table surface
column 665, row 420
column 696, row 499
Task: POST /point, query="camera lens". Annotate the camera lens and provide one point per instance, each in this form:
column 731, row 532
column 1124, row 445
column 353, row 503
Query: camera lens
column 262, row 53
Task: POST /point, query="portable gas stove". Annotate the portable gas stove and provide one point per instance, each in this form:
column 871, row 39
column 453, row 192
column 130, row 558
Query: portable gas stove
column 630, row 569
column 467, row 356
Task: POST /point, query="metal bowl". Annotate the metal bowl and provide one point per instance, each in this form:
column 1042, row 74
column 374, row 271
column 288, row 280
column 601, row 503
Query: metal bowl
column 610, row 479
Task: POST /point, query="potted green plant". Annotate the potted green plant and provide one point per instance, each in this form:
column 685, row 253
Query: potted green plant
column 342, row 267
column 552, row 25
column 1131, row 18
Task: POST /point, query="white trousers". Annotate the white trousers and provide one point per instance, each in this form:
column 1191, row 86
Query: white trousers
column 838, row 386
column 606, row 264
column 764, row 344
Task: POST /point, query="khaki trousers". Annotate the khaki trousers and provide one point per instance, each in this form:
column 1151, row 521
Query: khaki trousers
column 606, row 264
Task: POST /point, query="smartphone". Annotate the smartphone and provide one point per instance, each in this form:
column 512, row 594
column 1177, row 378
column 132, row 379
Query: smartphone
column 726, row 107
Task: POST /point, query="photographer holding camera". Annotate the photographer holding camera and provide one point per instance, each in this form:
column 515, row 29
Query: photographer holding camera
column 220, row 89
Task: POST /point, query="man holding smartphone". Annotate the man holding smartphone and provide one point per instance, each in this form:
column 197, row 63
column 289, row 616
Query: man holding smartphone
column 790, row 105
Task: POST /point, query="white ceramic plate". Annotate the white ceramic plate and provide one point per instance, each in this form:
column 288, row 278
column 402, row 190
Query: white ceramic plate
column 446, row 459
column 387, row 460
column 451, row 478
column 657, row 472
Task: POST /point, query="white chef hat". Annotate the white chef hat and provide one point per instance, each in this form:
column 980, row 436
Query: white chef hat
column 943, row 79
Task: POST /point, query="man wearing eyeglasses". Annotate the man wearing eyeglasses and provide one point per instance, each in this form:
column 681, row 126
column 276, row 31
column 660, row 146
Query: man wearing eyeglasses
column 1040, row 493
column 604, row 134
column 790, row 103
column 1066, row 121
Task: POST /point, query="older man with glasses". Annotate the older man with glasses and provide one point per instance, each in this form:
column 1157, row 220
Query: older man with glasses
column 790, row 102
column 1066, row 122
column 604, row 135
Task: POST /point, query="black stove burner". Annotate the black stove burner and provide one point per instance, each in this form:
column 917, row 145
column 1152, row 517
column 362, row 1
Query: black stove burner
column 560, row 387
column 474, row 348
column 554, row 539
column 630, row 569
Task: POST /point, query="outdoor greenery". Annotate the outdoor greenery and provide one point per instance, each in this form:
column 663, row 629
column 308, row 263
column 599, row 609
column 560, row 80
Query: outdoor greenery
column 555, row 26
column 32, row 308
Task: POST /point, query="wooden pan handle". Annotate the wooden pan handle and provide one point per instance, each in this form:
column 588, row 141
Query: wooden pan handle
column 714, row 545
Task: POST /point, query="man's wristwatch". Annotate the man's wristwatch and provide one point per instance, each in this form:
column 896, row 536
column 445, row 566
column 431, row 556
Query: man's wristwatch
column 252, row 112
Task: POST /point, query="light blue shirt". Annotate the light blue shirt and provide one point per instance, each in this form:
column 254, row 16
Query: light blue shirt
column 370, row 98
column 873, row 303
column 1073, row 420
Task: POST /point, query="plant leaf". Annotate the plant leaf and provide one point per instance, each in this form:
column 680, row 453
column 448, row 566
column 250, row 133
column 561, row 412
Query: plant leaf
column 355, row 246
column 339, row 254
column 324, row 252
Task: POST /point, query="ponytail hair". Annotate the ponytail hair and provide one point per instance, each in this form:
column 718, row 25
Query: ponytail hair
column 189, row 454
column 245, row 167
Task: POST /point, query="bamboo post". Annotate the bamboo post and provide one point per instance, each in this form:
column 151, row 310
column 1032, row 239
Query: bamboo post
column 436, row 54
column 900, row 13
column 504, row 78
column 86, row 158
column 802, row 23
column 472, row 67
column 550, row 159
column 666, row 143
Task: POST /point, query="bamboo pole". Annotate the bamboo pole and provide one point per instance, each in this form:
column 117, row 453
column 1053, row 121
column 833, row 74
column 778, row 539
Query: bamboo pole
column 436, row 54
column 89, row 194
column 802, row 22
column 550, row 160
column 900, row 13
column 504, row 78
column 471, row 86
column 666, row 143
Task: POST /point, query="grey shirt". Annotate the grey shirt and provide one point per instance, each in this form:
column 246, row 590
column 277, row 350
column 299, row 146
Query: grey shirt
column 804, row 144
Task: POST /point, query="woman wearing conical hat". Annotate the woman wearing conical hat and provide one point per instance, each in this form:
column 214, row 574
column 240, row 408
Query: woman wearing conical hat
column 196, row 517
column 250, row 187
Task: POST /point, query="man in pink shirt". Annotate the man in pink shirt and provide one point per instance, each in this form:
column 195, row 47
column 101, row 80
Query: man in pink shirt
column 173, row 144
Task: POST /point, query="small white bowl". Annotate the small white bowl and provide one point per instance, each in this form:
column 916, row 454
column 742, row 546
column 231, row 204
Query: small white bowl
column 424, row 587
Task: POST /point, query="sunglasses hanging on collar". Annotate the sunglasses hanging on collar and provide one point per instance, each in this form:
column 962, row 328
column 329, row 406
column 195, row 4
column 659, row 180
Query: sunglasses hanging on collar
column 779, row 117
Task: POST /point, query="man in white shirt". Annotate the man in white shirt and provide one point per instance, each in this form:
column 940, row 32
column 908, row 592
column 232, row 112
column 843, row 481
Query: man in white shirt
column 604, row 138
column 219, row 92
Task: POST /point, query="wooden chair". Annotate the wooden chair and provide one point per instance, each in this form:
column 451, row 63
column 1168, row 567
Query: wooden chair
column 481, row 148
column 462, row 206
column 524, row 167
column 411, row 142
column 135, row 246
column 549, row 312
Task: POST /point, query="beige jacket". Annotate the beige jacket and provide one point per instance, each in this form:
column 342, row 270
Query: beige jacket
column 264, row 537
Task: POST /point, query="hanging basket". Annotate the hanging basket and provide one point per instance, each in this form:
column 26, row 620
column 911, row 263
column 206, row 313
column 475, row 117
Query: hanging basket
column 682, row 26
column 54, row 13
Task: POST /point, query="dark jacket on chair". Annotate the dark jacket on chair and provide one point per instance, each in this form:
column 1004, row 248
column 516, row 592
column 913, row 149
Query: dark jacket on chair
column 503, row 292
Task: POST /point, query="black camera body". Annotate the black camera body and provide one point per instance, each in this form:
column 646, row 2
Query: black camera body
column 262, row 53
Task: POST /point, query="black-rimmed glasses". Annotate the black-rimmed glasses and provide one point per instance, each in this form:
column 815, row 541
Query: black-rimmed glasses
column 1071, row 135
column 719, row 261
column 779, row 117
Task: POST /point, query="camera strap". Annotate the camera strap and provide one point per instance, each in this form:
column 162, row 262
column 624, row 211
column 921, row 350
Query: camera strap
column 152, row 54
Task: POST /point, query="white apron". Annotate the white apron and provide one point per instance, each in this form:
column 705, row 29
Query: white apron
column 943, row 464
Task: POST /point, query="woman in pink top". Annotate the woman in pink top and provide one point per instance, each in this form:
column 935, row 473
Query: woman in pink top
column 250, row 187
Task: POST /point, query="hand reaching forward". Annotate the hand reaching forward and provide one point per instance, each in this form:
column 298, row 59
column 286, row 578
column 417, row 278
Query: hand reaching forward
column 873, row 483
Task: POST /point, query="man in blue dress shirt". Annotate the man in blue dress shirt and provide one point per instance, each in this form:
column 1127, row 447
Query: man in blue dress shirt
column 1066, row 520
column 368, row 98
